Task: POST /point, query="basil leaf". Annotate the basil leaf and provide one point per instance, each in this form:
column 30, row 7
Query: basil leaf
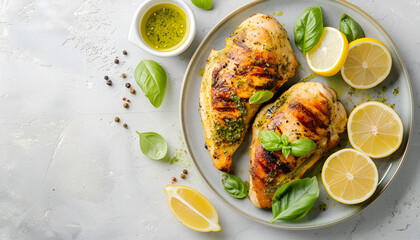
column 203, row 4
column 302, row 147
column 350, row 28
column 260, row 97
column 284, row 139
column 234, row 185
column 151, row 78
column 247, row 188
column 293, row 200
column 285, row 151
column 308, row 28
column 153, row 145
column 270, row 140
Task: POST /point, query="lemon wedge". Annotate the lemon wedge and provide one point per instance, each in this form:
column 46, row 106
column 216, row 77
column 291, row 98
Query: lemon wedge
column 350, row 176
column 368, row 63
column 192, row 209
column 329, row 55
column 375, row 129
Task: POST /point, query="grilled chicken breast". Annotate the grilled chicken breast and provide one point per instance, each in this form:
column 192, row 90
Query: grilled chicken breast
column 257, row 56
column 307, row 110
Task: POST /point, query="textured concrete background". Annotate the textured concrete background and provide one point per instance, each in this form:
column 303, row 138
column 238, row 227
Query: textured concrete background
column 67, row 171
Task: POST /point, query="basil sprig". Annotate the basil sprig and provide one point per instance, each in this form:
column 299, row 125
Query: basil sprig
column 293, row 200
column 350, row 28
column 308, row 29
column 151, row 78
column 260, row 97
column 272, row 141
column 153, row 145
column 234, row 185
column 203, row 4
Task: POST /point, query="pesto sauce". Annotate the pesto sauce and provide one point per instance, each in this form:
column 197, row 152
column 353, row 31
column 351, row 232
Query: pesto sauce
column 164, row 27
column 232, row 130
column 238, row 103
column 308, row 78
column 396, row 91
column 337, row 83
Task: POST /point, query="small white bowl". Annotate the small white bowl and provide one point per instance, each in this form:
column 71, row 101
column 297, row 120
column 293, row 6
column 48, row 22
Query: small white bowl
column 135, row 37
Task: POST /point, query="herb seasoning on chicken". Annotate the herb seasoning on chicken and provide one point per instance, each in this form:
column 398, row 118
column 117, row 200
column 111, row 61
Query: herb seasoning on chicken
column 257, row 57
column 307, row 110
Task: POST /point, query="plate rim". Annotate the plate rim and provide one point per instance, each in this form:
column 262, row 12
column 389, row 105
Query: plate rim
column 297, row 227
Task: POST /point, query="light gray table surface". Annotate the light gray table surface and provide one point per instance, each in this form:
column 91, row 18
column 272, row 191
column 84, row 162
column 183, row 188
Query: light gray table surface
column 68, row 171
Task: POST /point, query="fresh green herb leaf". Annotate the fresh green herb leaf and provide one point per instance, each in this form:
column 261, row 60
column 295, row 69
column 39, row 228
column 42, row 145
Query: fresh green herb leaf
column 284, row 139
column 151, row 78
column 270, row 140
column 350, row 28
column 293, row 200
column 234, row 185
column 153, row 145
column 247, row 188
column 308, row 29
column 285, row 151
column 302, row 147
column 203, row 4
column 260, row 97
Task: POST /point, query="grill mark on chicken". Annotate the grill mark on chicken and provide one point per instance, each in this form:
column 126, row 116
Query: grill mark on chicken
column 242, row 45
column 269, row 164
column 266, row 85
column 273, row 163
column 299, row 112
column 270, row 156
column 250, row 62
column 306, row 117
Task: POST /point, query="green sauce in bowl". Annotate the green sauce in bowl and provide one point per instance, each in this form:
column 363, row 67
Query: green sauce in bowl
column 164, row 27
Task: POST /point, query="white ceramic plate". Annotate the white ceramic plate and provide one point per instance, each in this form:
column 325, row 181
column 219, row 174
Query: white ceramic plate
column 291, row 9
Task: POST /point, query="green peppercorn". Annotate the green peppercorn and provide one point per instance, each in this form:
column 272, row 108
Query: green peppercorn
column 133, row 91
column 123, row 75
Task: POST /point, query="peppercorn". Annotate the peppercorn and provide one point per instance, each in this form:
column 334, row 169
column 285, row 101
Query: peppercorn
column 125, row 52
column 128, row 85
column 125, row 125
column 125, row 105
column 128, row 100
column 185, row 171
column 109, row 83
column 124, row 98
column 133, row 91
column 106, row 77
column 117, row 119
column 182, row 175
column 173, row 179
column 116, row 61
column 123, row 75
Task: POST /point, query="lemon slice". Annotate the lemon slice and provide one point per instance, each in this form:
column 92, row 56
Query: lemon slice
column 375, row 129
column 350, row 176
column 368, row 63
column 329, row 54
column 192, row 209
